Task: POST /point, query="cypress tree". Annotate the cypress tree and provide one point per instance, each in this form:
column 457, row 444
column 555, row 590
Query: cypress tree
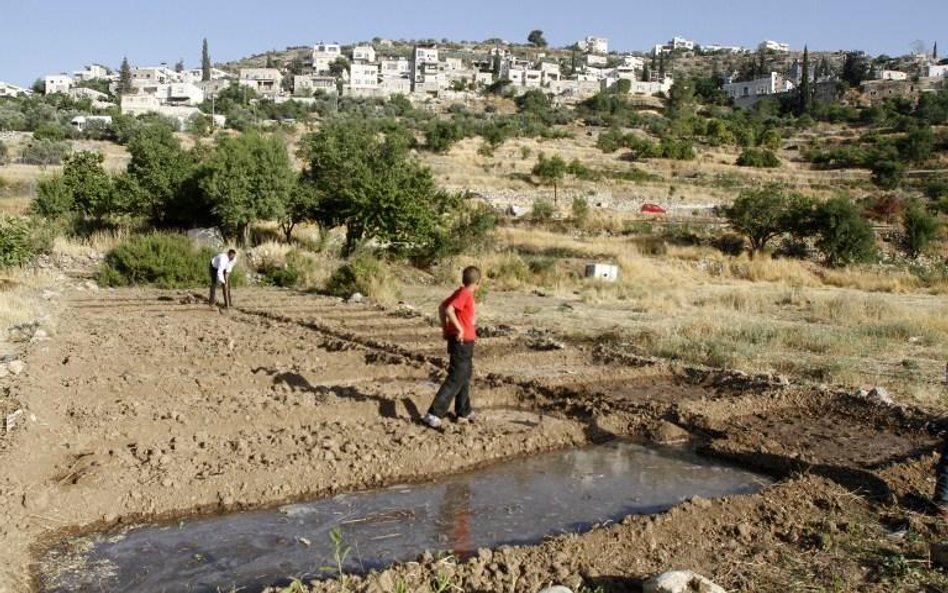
column 205, row 62
column 806, row 90
column 125, row 77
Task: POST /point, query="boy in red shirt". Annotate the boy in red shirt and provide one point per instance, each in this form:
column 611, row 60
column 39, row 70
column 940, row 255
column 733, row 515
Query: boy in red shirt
column 459, row 328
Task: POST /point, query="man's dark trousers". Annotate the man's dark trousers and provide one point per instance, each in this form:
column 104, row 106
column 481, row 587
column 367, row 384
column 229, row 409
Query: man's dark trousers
column 457, row 385
column 212, row 271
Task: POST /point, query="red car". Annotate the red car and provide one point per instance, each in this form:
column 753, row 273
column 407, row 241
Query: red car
column 652, row 208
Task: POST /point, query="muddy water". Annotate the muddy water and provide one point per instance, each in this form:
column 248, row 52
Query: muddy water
column 519, row 502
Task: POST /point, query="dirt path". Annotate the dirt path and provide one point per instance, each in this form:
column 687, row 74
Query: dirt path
column 151, row 404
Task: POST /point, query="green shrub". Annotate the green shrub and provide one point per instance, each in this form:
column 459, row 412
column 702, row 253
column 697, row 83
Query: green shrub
column 888, row 174
column 580, row 210
column 730, row 244
column 4, row 153
column 542, row 211
column 162, row 260
column 844, row 236
column 363, row 273
column 920, row 228
column 52, row 131
column 610, row 141
column 21, row 240
column 761, row 158
column 297, row 271
column 44, row 152
column 54, row 198
column 677, row 149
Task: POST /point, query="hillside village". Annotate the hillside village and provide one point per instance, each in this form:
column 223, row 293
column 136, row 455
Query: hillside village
column 450, row 72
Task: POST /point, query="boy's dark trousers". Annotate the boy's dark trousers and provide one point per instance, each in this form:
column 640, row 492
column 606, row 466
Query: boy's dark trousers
column 457, row 385
column 941, row 478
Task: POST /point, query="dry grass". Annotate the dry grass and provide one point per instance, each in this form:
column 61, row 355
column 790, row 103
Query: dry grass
column 96, row 243
column 21, row 299
column 699, row 306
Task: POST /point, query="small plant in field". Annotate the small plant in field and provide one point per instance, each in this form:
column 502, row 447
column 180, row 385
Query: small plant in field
column 340, row 553
column 400, row 586
column 295, row 586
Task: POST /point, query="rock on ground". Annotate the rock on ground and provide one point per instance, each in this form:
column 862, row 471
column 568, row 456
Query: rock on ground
column 680, row 581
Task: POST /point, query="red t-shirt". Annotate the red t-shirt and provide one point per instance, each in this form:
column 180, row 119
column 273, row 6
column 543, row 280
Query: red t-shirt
column 463, row 302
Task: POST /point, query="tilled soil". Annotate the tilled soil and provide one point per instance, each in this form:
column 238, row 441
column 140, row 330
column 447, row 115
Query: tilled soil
column 153, row 405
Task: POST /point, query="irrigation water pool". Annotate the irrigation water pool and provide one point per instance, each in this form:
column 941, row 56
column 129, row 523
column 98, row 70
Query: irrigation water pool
column 517, row 502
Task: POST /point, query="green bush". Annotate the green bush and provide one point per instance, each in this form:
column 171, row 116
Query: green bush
column 363, row 273
column 677, row 149
column 542, row 211
column 888, row 174
column 761, row 158
column 296, row 271
column 44, row 152
column 54, row 198
column 920, row 228
column 843, row 235
column 18, row 241
column 162, row 260
column 4, row 153
column 610, row 141
column 52, row 131
column 580, row 210
column 730, row 244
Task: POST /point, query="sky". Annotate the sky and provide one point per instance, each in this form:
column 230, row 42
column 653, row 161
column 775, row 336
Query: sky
column 39, row 37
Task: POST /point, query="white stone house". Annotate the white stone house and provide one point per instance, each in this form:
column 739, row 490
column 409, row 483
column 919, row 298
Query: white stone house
column 551, row 72
column 57, row 83
column 324, row 54
column 196, row 75
column 182, row 93
column 312, row 83
column 747, row 93
column 363, row 76
column 596, row 61
column 91, row 72
column 12, row 90
column 265, row 81
column 938, row 70
column 425, row 70
column 633, row 62
column 595, row 45
column 774, row 46
column 892, row 75
column 363, row 53
column 91, row 94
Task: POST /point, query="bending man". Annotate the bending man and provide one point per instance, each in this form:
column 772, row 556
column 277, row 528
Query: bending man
column 221, row 266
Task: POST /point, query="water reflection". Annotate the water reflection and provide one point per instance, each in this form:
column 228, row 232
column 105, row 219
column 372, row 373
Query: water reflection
column 518, row 502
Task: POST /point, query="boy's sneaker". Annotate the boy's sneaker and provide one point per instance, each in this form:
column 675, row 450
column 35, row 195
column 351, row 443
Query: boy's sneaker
column 467, row 419
column 431, row 420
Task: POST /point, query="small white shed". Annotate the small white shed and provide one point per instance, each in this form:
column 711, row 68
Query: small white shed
column 604, row 272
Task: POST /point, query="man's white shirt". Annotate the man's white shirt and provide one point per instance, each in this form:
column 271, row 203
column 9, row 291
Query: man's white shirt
column 223, row 264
